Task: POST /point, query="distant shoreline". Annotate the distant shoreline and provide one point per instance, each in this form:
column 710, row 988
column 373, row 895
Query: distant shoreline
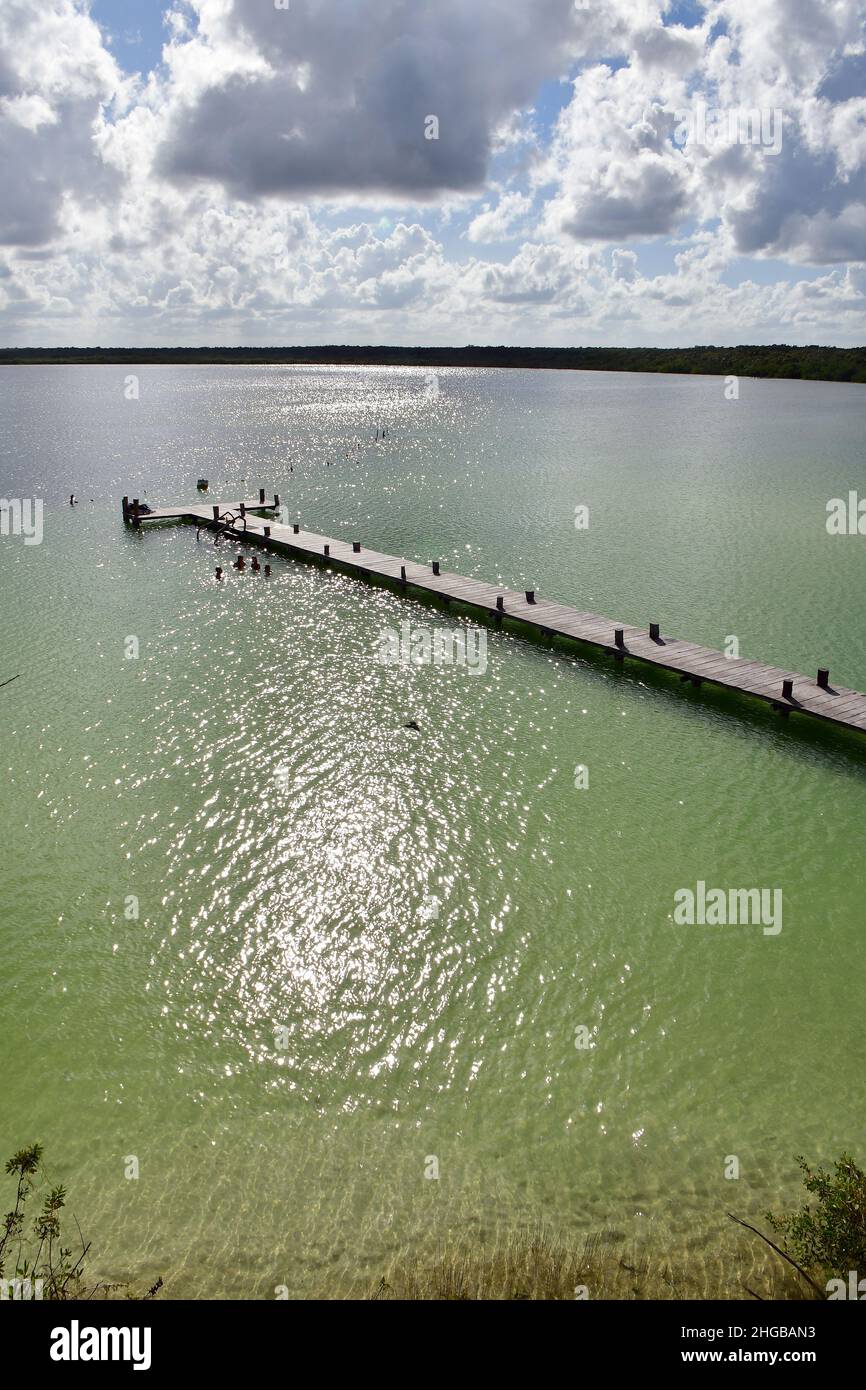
column 779, row 361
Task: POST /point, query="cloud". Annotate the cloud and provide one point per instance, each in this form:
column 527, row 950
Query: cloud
column 499, row 223
column 271, row 182
column 340, row 94
column 54, row 78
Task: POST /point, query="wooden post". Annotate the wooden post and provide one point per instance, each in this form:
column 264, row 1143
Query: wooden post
column 823, row 678
column 654, row 632
column 261, row 494
column 619, row 636
column 216, row 513
column 500, row 603
column 243, row 510
column 788, row 688
column 402, row 574
column 276, row 500
column 267, row 531
column 295, row 527
column 530, row 595
column 327, row 549
column 135, row 518
column 125, row 505
column 435, row 566
column 356, row 546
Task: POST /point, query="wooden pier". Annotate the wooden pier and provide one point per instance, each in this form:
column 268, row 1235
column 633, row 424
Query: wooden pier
column 785, row 691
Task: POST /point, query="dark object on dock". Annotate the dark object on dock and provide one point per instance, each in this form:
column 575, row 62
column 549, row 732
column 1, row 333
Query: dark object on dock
column 203, row 484
column 135, row 509
column 435, row 566
column 296, row 528
column 690, row 661
column 654, row 632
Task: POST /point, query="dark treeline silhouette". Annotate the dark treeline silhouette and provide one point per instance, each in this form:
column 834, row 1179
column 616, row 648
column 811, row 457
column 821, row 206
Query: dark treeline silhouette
column 811, row 363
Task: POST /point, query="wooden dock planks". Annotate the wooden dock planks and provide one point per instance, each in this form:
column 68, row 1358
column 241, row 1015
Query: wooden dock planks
column 835, row 705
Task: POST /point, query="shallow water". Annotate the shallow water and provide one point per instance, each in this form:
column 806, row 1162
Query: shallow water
column 429, row 917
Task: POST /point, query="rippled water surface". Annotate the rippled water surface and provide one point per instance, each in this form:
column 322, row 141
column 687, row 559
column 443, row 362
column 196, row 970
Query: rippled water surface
column 360, row 947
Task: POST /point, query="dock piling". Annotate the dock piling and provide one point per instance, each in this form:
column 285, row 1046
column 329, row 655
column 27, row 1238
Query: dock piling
column 654, row 632
column 435, row 566
column 262, row 495
column 824, row 677
column 296, row 528
column 530, row 595
column 356, row 547
column 788, row 688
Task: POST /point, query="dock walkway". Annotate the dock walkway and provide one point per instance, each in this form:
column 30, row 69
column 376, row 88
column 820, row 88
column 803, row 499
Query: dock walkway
column 784, row 690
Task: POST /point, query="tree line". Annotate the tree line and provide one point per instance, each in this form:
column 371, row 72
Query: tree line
column 809, row 363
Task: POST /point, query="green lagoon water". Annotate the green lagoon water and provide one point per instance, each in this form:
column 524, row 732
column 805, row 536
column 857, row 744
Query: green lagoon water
column 249, row 779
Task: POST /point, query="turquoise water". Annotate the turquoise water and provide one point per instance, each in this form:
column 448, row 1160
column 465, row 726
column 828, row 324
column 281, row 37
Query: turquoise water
column 249, row 780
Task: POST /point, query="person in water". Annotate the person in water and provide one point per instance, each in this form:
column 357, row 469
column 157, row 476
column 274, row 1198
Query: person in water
column 255, row 564
column 240, row 563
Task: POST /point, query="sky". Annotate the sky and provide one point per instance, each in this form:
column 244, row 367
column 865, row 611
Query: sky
column 538, row 172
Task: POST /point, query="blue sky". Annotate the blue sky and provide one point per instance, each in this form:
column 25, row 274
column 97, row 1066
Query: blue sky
column 135, row 29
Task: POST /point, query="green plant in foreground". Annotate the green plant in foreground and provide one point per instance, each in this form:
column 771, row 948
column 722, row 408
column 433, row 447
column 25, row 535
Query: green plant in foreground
column 831, row 1235
column 33, row 1258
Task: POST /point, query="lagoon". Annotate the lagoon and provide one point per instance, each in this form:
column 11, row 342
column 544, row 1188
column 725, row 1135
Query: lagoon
column 357, row 946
